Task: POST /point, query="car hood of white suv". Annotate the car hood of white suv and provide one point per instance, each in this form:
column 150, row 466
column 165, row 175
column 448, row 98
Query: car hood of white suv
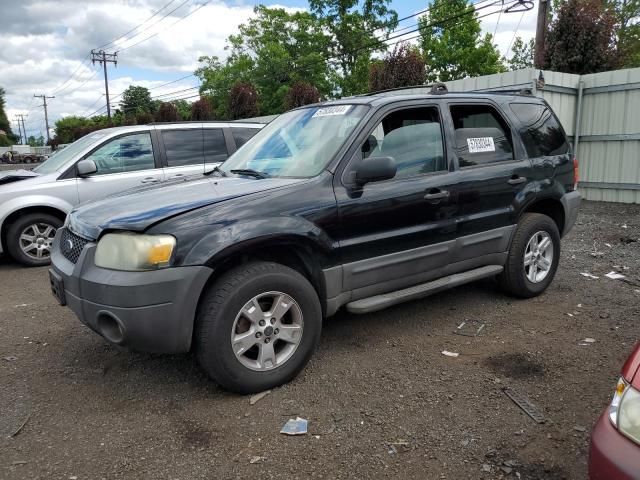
column 9, row 176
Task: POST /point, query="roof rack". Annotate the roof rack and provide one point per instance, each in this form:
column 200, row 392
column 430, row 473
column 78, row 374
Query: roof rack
column 204, row 121
column 436, row 89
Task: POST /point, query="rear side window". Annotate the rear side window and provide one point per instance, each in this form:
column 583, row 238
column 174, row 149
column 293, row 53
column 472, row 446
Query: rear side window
column 482, row 135
column 183, row 147
column 215, row 148
column 542, row 134
column 243, row 135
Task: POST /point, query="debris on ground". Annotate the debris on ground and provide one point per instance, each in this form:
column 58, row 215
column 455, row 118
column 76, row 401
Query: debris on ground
column 258, row 396
column 19, row 462
column 256, row 459
column 469, row 328
column 450, row 354
column 589, row 275
column 525, row 404
column 19, row 429
column 10, row 358
column 587, row 341
column 579, row 429
column 295, row 427
column 400, row 445
column 614, row 276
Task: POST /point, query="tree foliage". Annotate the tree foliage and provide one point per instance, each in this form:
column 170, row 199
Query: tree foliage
column 455, row 48
column 521, row 54
column 9, row 138
column 69, row 129
column 352, row 27
column 243, row 101
column 403, row 67
column 136, row 100
column 300, row 94
column 627, row 14
column 581, row 38
column 201, row 110
column 167, row 112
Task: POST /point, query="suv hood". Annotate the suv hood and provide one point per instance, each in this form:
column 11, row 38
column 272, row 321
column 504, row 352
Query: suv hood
column 9, row 176
column 139, row 210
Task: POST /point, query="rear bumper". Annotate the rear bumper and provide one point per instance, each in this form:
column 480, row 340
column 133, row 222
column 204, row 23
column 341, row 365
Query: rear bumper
column 148, row 311
column 571, row 203
column 612, row 456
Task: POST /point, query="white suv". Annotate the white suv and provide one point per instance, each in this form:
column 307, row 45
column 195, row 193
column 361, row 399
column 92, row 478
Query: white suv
column 33, row 204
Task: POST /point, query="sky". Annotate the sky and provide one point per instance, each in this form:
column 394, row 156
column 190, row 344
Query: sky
column 46, row 47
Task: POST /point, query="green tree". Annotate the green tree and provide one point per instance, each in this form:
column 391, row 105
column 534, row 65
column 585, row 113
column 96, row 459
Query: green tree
column 352, row 26
column 581, row 38
column 521, row 54
column 403, row 67
column 300, row 94
column 627, row 13
column 8, row 138
column 35, row 142
column 136, row 100
column 272, row 51
column 455, row 48
column 184, row 109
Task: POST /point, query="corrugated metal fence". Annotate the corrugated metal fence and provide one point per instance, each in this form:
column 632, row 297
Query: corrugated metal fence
column 601, row 112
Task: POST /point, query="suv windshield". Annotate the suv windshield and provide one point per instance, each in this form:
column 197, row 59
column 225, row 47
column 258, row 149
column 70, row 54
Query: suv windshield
column 58, row 160
column 299, row 143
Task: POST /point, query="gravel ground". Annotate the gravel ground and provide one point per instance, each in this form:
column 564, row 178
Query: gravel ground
column 381, row 399
column 18, row 166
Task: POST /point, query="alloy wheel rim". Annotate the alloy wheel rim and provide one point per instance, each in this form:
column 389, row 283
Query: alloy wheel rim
column 267, row 331
column 538, row 257
column 36, row 240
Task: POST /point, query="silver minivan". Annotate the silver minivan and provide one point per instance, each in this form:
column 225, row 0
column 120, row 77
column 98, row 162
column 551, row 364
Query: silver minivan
column 33, row 204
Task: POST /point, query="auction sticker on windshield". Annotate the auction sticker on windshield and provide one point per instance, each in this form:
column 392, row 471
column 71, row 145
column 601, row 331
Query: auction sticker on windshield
column 335, row 110
column 482, row 144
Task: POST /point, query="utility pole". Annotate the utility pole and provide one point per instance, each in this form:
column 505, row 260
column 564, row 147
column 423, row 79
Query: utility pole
column 23, row 129
column 103, row 58
column 46, row 116
column 541, row 32
column 17, row 120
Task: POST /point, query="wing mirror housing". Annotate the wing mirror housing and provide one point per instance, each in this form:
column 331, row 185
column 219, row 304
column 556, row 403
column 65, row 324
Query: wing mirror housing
column 375, row 169
column 86, row 168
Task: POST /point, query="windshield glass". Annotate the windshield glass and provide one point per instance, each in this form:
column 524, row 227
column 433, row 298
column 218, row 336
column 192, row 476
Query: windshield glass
column 58, row 160
column 299, row 143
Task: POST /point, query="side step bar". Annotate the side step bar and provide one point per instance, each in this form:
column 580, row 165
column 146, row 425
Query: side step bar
column 379, row 302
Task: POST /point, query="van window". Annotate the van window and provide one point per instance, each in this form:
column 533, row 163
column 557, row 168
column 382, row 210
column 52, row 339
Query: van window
column 413, row 137
column 124, row 154
column 183, row 147
column 542, row 134
column 215, row 148
column 243, row 135
column 482, row 135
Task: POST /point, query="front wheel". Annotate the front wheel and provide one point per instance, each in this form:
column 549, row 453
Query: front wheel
column 533, row 257
column 257, row 327
column 29, row 238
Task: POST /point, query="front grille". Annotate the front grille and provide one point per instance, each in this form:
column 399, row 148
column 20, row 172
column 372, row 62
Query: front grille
column 71, row 245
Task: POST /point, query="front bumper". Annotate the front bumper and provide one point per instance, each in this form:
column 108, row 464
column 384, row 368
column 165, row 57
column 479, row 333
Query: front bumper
column 612, row 456
column 571, row 202
column 148, row 311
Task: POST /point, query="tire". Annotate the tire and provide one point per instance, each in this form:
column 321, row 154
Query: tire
column 220, row 318
column 46, row 226
column 518, row 279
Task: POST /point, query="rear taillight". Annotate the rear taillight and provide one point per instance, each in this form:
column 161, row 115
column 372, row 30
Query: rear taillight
column 576, row 176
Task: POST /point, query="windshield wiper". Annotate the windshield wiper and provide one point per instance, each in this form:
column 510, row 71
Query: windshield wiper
column 216, row 169
column 250, row 173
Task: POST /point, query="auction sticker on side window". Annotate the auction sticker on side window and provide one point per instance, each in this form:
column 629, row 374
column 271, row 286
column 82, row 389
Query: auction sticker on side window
column 482, row 144
column 335, row 110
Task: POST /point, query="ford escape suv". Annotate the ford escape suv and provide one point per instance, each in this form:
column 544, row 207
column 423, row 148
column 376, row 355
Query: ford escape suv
column 33, row 204
column 359, row 203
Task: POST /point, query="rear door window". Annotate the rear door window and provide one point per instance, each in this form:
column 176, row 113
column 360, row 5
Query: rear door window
column 482, row 136
column 215, row 148
column 243, row 135
column 542, row 134
column 183, row 147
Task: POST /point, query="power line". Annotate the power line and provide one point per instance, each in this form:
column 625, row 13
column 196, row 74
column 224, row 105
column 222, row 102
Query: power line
column 495, row 30
column 172, row 81
column 515, row 32
column 72, row 75
column 135, row 28
column 95, row 72
column 46, row 116
column 170, row 26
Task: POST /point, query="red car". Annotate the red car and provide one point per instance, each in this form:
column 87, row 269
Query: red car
column 615, row 441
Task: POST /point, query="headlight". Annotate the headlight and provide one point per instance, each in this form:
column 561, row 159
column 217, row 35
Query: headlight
column 134, row 252
column 624, row 411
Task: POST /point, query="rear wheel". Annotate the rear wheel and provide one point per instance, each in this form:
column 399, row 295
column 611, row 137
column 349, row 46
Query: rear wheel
column 29, row 238
column 533, row 257
column 257, row 327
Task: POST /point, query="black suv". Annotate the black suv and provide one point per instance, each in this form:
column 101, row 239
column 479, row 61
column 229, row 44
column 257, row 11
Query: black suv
column 363, row 202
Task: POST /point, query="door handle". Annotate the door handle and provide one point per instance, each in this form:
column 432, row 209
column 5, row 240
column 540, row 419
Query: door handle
column 515, row 180
column 437, row 195
column 149, row 180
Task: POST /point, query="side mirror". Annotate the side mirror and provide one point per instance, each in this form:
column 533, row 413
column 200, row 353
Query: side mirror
column 375, row 169
column 86, row 168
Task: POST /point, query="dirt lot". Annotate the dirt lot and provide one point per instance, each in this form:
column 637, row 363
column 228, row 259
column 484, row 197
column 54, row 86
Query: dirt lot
column 381, row 399
column 18, row 166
